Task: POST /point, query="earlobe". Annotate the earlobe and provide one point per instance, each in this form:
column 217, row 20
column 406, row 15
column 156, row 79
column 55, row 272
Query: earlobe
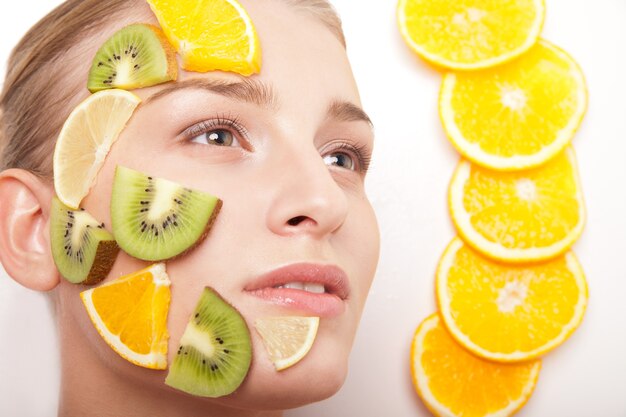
column 24, row 230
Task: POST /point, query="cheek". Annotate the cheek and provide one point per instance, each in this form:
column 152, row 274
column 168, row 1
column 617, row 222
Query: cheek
column 84, row 350
column 361, row 243
column 319, row 375
column 238, row 242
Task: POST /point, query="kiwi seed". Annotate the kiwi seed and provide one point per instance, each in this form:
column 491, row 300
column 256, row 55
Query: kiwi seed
column 155, row 219
column 82, row 249
column 136, row 56
column 215, row 350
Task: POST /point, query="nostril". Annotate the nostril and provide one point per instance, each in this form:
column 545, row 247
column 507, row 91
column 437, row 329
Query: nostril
column 294, row 221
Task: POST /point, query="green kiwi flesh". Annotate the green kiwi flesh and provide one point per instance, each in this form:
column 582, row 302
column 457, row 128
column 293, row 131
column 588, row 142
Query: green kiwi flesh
column 136, row 56
column 83, row 251
column 215, row 350
column 155, row 219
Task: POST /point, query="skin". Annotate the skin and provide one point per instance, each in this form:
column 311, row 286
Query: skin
column 282, row 168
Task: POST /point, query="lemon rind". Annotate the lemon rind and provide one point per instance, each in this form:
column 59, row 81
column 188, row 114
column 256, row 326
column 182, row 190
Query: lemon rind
column 281, row 364
column 57, row 163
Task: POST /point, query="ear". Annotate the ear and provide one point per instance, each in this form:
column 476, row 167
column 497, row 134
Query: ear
column 24, row 230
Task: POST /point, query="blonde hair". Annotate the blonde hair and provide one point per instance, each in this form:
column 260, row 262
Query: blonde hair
column 34, row 106
column 324, row 12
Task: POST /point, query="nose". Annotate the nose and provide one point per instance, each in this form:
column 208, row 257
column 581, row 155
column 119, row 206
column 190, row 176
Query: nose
column 306, row 199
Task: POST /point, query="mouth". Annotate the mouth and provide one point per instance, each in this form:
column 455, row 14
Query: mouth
column 312, row 289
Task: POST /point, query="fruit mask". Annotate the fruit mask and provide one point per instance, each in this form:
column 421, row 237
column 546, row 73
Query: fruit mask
column 146, row 60
column 147, row 144
column 137, row 56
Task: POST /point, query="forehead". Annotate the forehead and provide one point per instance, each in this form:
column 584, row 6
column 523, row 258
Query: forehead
column 301, row 55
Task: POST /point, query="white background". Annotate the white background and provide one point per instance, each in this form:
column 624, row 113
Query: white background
column 412, row 165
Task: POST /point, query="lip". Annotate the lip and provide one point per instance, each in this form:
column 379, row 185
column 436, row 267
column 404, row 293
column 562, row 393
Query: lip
column 329, row 304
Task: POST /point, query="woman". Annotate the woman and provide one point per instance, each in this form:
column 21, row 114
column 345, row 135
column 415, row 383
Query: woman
column 289, row 164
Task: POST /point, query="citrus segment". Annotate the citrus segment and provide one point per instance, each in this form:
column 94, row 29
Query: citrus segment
column 519, row 216
column 287, row 339
column 509, row 312
column 453, row 382
column 130, row 313
column 85, row 140
column 518, row 115
column 470, row 34
column 210, row 34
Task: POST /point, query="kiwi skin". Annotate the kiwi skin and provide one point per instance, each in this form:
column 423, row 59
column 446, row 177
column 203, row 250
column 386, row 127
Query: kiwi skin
column 217, row 326
column 179, row 226
column 105, row 258
column 104, row 64
column 207, row 229
column 63, row 224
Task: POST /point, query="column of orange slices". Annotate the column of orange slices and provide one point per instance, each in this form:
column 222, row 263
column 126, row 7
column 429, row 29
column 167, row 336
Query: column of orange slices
column 509, row 290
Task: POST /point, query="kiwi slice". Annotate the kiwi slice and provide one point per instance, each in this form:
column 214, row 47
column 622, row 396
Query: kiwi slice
column 83, row 251
column 136, row 56
column 215, row 351
column 155, row 219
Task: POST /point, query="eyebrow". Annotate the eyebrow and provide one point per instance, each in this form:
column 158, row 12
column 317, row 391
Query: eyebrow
column 248, row 90
column 256, row 92
column 346, row 111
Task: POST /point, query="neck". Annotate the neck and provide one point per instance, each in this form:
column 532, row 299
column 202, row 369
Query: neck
column 95, row 382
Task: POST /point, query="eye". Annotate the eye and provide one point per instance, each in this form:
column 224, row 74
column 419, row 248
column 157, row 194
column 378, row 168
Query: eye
column 219, row 137
column 347, row 154
column 222, row 130
column 341, row 160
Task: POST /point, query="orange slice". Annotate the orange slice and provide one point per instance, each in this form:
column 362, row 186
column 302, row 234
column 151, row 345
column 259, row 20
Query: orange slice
column 130, row 313
column 470, row 34
column 85, row 140
column 453, row 382
column 518, row 115
column 520, row 216
column 509, row 312
column 210, row 34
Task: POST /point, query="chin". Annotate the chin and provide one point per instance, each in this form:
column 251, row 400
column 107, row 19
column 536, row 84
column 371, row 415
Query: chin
column 304, row 383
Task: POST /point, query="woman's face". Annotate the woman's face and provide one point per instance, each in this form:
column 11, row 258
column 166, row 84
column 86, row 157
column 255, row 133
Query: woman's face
column 290, row 170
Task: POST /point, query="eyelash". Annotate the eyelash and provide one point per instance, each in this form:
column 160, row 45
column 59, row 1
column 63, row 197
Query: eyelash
column 359, row 151
column 219, row 122
column 356, row 150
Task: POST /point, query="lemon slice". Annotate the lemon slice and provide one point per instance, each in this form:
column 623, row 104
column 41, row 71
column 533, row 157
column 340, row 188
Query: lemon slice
column 210, row 34
column 522, row 216
column 287, row 339
column 470, row 34
column 518, row 115
column 85, row 140
column 130, row 313
column 452, row 382
column 509, row 312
